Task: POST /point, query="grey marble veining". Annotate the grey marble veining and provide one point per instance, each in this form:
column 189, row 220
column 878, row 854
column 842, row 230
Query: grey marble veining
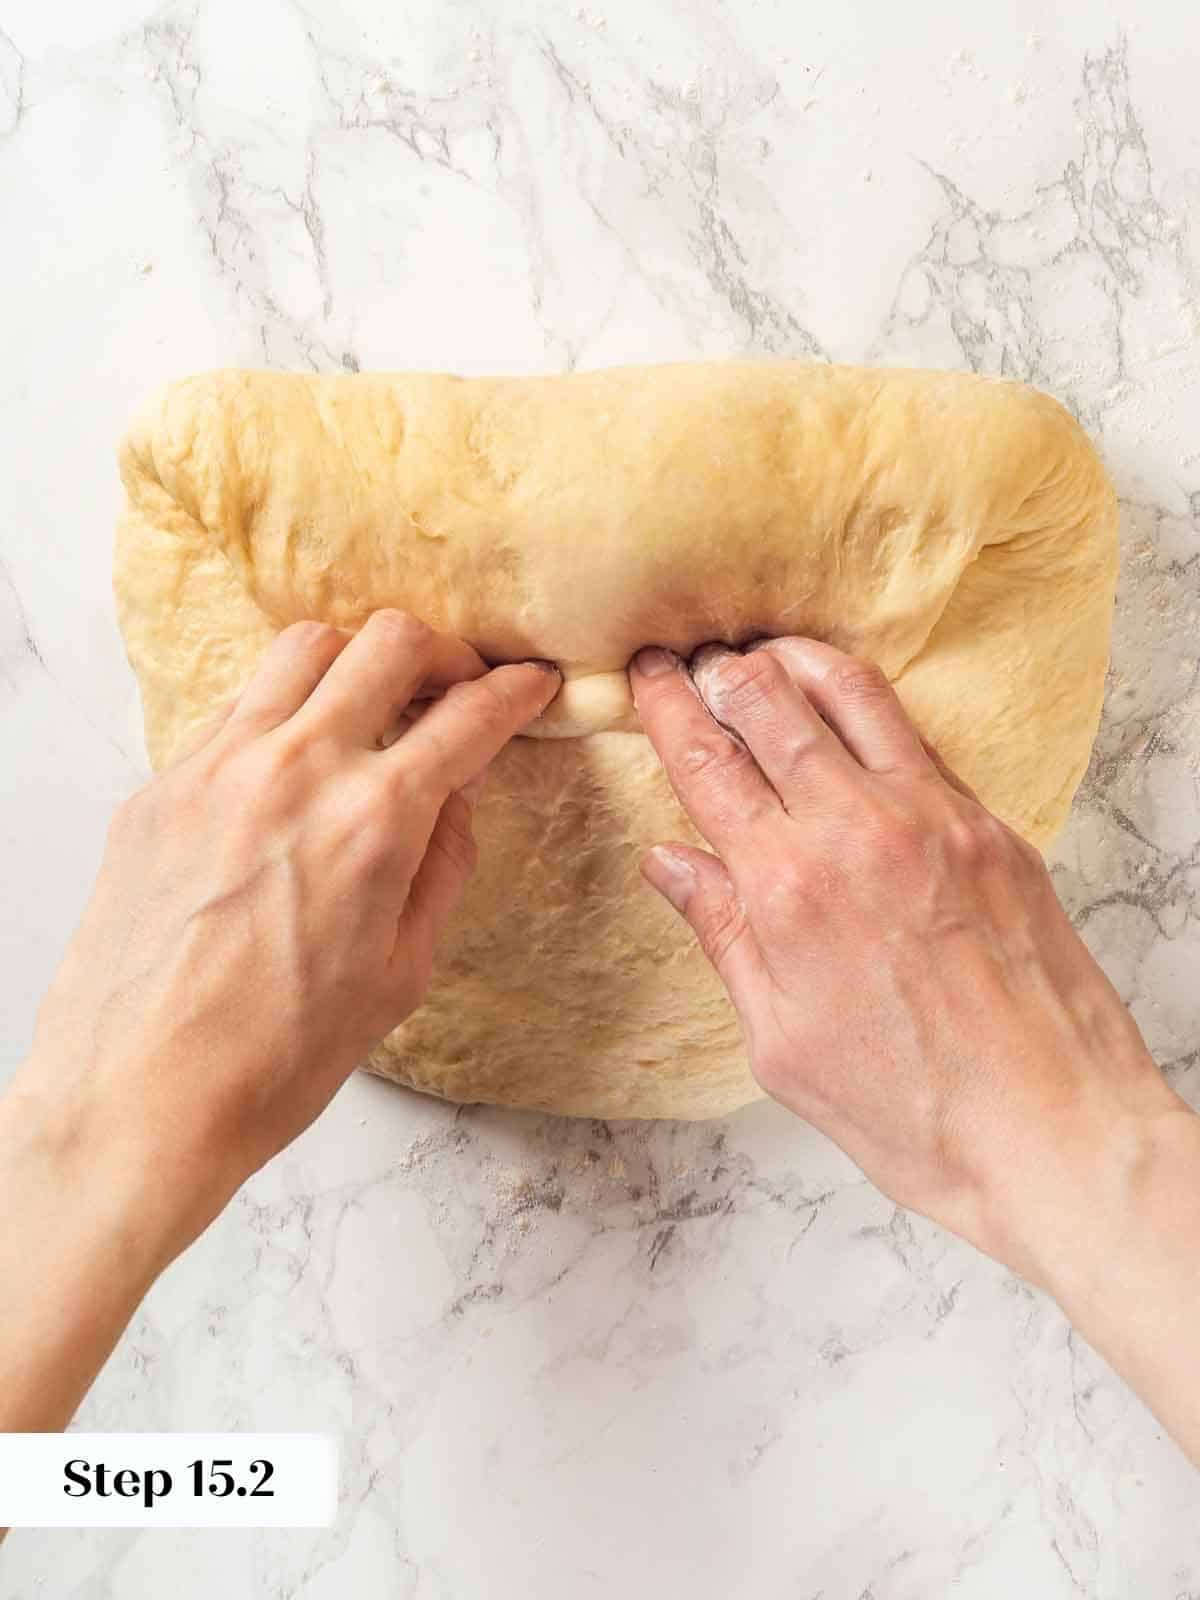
column 566, row 1358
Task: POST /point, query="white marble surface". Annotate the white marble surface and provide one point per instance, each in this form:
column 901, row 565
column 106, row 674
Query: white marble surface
column 565, row 1359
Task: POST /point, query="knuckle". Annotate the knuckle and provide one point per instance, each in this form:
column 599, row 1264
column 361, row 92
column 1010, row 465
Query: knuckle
column 498, row 697
column 308, row 634
column 275, row 761
column 400, row 629
column 131, row 816
column 254, row 721
column 365, row 821
column 488, row 697
column 858, row 680
column 975, row 840
column 740, row 683
column 400, row 786
column 964, row 840
column 792, row 883
column 795, row 895
column 709, row 759
column 794, row 748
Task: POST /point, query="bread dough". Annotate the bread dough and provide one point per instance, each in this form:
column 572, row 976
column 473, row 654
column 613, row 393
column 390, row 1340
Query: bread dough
column 958, row 530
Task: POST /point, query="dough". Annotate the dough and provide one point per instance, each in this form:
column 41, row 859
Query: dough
column 958, row 530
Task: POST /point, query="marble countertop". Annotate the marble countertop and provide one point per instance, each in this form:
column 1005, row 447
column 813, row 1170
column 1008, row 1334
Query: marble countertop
column 566, row 1358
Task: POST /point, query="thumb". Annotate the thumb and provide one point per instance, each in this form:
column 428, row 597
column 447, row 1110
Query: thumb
column 702, row 892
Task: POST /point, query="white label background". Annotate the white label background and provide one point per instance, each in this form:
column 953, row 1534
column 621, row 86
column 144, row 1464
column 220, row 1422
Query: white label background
column 305, row 1480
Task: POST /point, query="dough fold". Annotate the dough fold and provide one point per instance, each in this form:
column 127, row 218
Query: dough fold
column 958, row 530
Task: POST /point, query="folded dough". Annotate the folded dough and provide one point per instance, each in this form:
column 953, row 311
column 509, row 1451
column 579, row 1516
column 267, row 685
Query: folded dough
column 958, row 530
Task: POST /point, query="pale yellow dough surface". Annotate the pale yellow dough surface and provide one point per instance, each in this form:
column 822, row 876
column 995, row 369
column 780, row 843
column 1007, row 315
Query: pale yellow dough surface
column 958, row 530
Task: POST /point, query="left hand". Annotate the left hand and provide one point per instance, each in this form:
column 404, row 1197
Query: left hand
column 267, row 908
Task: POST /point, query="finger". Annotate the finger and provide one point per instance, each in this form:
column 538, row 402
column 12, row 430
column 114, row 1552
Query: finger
column 445, row 869
column 458, row 736
column 856, row 699
column 204, row 735
column 717, row 781
column 700, row 889
column 754, row 694
column 390, row 659
column 948, row 772
column 290, row 668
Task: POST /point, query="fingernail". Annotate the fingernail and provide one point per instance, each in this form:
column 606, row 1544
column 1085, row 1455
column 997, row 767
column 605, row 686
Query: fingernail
column 703, row 665
column 654, row 661
column 673, row 876
column 552, row 677
column 707, row 654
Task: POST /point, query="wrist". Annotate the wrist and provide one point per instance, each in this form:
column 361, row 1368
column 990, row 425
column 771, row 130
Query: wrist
column 1089, row 1192
column 76, row 1257
column 1121, row 1255
column 89, row 1171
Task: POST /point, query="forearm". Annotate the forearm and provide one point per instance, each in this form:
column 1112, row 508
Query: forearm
column 263, row 915
column 81, row 1241
column 1119, row 1248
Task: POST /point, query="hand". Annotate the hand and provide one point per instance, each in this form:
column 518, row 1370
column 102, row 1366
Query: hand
column 905, row 977
column 268, row 908
column 907, row 981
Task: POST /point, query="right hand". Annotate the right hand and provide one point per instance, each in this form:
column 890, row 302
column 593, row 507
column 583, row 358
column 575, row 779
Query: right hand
column 905, row 977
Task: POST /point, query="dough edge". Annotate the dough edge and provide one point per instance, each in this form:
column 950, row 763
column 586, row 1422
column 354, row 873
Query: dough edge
column 161, row 528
